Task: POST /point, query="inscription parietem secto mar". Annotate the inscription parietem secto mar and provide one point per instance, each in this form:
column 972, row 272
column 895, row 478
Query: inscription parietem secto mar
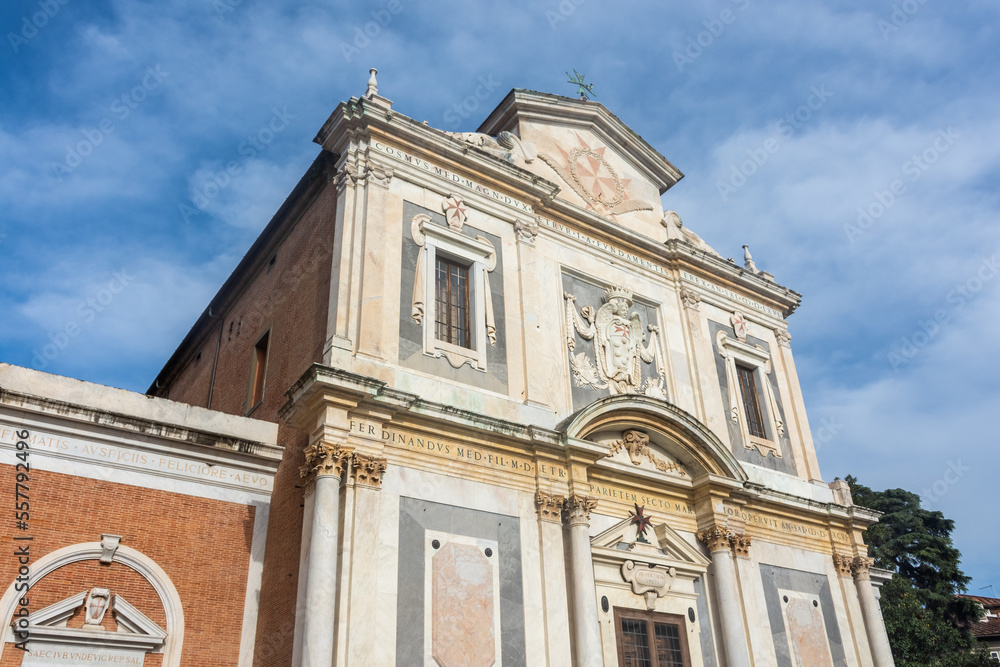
column 459, row 451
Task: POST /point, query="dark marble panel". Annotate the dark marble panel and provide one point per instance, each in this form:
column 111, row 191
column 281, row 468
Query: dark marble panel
column 411, row 344
column 786, row 463
column 590, row 294
column 416, row 517
column 773, row 578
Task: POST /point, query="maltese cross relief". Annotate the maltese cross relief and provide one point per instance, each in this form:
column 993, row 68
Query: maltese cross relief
column 589, row 174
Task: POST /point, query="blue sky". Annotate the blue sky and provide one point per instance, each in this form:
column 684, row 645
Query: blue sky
column 854, row 145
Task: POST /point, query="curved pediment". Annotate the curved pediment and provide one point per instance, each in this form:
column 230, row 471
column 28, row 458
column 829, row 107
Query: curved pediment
column 674, row 436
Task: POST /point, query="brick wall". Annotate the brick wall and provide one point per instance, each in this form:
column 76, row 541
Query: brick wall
column 203, row 546
column 290, row 299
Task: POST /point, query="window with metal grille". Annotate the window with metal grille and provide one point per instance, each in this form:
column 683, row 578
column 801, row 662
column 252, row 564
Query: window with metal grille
column 649, row 639
column 451, row 312
column 751, row 407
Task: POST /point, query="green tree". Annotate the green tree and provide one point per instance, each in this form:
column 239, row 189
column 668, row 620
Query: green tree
column 926, row 623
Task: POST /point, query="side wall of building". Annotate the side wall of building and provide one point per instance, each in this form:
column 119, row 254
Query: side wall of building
column 288, row 300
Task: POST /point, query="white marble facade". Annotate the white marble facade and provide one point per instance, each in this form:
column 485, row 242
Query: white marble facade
column 605, row 376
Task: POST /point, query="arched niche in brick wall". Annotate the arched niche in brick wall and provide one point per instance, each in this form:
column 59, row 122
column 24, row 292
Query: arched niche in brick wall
column 126, row 556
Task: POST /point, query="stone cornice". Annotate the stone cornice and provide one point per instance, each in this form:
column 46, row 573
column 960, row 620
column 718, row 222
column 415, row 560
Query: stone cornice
column 762, row 497
column 259, row 452
column 548, row 108
column 357, row 116
column 363, row 389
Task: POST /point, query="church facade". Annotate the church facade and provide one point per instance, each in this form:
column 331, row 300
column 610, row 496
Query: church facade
column 526, row 416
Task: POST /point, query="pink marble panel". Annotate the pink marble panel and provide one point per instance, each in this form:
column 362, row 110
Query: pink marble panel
column 462, row 625
column 808, row 634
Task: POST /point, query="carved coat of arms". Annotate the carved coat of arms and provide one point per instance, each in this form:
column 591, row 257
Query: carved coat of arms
column 620, row 346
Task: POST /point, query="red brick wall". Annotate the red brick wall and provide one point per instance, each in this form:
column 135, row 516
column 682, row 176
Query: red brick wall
column 203, row 546
column 292, row 300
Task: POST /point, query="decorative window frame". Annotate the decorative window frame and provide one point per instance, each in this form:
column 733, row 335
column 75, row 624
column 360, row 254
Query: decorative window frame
column 480, row 256
column 758, row 360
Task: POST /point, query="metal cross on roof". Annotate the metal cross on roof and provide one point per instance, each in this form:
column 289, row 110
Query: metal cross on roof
column 582, row 89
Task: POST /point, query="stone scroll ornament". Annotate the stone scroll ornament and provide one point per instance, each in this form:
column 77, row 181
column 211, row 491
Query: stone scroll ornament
column 618, row 346
column 648, row 581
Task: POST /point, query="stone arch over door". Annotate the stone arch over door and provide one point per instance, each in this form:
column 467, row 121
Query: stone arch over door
column 136, row 560
column 686, row 438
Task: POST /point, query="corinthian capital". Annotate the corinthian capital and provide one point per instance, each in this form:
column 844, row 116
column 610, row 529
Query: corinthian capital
column 549, row 506
column 860, row 566
column 368, row 470
column 716, row 538
column 741, row 544
column 325, row 459
column 578, row 510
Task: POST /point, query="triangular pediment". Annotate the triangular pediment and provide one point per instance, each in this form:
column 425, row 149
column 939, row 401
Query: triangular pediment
column 600, row 164
column 663, row 546
column 136, row 631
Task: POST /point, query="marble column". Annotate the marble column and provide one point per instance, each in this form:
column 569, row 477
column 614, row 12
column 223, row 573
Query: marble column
column 586, row 624
column 727, row 594
column 360, row 620
column 557, row 628
column 872, row 613
column 325, row 464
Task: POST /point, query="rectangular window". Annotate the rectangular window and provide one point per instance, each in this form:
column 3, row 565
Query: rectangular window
column 649, row 639
column 451, row 294
column 751, row 407
column 258, row 365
